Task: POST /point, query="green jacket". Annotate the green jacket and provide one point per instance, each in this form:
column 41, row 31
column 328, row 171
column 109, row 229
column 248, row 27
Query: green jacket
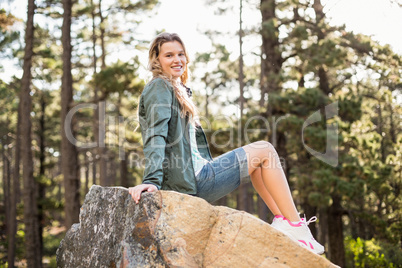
column 165, row 135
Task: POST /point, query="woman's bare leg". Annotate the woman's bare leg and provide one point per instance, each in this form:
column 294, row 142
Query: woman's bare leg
column 256, row 180
column 273, row 186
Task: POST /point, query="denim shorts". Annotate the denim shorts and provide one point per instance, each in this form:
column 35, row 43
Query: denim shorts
column 222, row 175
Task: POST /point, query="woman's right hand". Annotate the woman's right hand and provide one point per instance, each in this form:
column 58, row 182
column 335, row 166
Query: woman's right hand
column 136, row 191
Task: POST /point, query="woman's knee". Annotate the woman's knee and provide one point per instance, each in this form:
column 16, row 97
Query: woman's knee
column 258, row 152
column 263, row 147
column 259, row 147
column 262, row 144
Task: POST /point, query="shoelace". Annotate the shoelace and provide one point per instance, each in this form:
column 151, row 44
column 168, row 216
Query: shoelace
column 312, row 219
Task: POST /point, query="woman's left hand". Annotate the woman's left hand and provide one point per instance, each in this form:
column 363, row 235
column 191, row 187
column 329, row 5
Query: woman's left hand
column 137, row 190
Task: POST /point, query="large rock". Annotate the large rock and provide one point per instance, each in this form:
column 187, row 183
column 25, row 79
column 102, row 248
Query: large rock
column 169, row 229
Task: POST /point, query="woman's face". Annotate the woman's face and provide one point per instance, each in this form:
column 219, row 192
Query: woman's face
column 173, row 59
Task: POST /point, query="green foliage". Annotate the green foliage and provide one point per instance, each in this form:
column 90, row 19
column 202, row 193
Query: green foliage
column 7, row 35
column 219, row 75
column 52, row 240
column 9, row 104
column 119, row 78
column 372, row 253
column 350, row 108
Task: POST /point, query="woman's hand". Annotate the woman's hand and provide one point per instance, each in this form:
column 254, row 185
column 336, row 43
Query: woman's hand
column 137, row 190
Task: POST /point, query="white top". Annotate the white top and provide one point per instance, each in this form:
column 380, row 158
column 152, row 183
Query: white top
column 198, row 161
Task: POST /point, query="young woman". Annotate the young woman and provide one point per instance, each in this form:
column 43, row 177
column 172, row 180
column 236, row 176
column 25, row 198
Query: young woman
column 177, row 153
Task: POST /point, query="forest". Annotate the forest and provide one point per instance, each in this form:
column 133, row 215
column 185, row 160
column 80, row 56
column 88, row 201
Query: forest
column 327, row 98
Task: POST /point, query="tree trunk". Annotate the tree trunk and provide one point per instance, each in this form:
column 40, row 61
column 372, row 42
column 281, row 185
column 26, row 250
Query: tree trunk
column 361, row 222
column 322, row 73
column 322, row 235
column 310, row 211
column 103, row 176
column 241, row 71
column 94, row 38
column 122, row 152
column 15, row 195
column 9, row 205
column 334, row 216
column 32, row 241
column 250, row 198
column 271, row 54
column 7, row 202
column 112, row 174
column 87, row 164
column 263, row 210
column 102, row 36
column 96, row 99
column 319, row 13
column 392, row 131
column 335, row 231
column 380, row 125
column 17, row 159
column 323, row 81
column 94, row 169
column 263, row 83
column 271, row 64
column 242, row 201
column 69, row 155
column 124, row 172
column 206, row 103
column 354, row 231
column 41, row 184
column 101, row 144
column 6, row 184
column 302, row 81
column 279, row 143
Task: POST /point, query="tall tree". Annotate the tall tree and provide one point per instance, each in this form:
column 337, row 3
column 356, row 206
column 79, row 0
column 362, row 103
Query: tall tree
column 6, row 182
column 96, row 95
column 102, row 150
column 272, row 77
column 6, row 41
column 335, row 211
column 69, row 154
column 271, row 51
column 32, row 241
column 41, row 176
column 15, row 193
column 242, row 200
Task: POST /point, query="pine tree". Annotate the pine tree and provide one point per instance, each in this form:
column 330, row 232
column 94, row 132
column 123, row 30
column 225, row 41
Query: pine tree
column 30, row 193
column 69, row 155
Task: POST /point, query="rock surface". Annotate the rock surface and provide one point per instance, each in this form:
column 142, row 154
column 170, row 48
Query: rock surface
column 169, row 229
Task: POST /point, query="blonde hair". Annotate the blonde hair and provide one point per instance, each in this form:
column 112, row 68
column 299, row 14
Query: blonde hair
column 187, row 105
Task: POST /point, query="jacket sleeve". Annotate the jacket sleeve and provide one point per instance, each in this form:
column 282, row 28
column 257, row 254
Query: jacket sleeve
column 156, row 102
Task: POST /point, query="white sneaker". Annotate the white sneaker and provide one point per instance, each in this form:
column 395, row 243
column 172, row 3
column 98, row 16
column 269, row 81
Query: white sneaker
column 298, row 232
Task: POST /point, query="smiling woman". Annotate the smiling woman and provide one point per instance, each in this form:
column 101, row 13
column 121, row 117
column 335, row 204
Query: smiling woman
column 178, row 157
